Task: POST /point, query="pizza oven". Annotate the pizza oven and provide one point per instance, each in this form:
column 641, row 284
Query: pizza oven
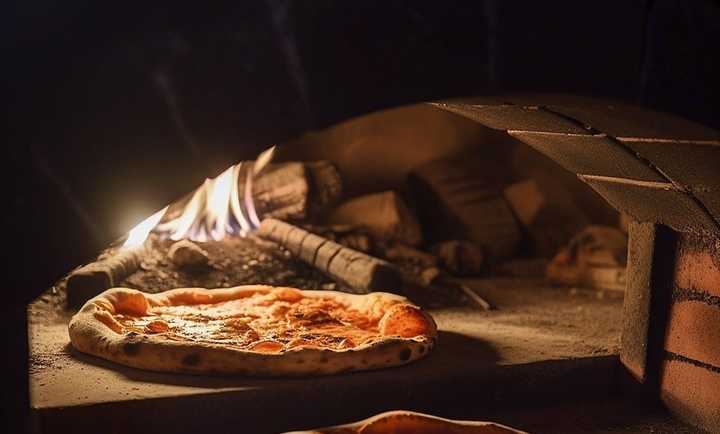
column 541, row 179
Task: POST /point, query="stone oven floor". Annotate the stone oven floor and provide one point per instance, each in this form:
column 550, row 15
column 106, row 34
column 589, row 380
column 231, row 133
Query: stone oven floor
column 543, row 348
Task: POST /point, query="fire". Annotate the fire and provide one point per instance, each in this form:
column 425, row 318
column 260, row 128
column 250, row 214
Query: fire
column 210, row 212
column 220, row 207
column 138, row 234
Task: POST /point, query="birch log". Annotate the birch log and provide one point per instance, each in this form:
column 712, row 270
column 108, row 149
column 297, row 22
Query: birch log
column 363, row 273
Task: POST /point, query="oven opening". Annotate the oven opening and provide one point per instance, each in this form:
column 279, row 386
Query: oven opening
column 565, row 253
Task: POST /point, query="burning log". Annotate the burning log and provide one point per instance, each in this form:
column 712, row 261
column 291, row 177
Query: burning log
column 384, row 215
column 296, row 191
column 92, row 279
column 357, row 270
column 235, row 201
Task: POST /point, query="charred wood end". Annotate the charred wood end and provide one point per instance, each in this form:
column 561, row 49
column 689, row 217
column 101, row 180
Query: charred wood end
column 90, row 280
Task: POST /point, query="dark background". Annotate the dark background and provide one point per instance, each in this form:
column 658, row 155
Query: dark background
column 115, row 110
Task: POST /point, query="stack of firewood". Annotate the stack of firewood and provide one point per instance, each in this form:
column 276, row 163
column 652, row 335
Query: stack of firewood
column 451, row 220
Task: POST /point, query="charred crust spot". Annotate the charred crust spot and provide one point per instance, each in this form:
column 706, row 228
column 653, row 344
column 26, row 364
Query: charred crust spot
column 405, row 354
column 132, row 334
column 131, row 348
column 191, row 359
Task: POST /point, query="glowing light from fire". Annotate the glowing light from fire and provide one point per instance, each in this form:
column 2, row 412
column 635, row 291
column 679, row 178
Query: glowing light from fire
column 218, row 205
column 235, row 203
column 217, row 208
column 263, row 160
column 138, row 234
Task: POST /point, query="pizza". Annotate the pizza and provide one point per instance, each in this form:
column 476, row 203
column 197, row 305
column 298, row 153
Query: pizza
column 410, row 422
column 252, row 330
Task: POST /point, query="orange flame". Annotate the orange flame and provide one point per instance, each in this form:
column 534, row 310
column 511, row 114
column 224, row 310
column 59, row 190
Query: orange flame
column 138, row 234
column 215, row 209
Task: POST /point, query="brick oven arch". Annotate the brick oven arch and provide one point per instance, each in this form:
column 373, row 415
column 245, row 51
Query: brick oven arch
column 663, row 171
column 654, row 166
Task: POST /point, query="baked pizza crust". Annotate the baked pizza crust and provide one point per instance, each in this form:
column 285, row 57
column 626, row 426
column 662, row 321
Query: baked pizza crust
column 407, row 334
column 410, row 422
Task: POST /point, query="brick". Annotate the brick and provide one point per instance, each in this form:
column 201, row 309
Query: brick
column 693, row 165
column 697, row 270
column 622, row 120
column 654, row 202
column 590, row 155
column 694, row 331
column 515, row 117
column 636, row 304
column 692, row 393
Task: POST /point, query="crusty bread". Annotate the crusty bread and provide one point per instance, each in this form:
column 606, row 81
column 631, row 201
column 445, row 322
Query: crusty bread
column 404, row 334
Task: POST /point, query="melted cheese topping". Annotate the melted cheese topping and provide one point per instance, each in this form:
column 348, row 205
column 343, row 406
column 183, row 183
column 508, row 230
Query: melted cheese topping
column 269, row 323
